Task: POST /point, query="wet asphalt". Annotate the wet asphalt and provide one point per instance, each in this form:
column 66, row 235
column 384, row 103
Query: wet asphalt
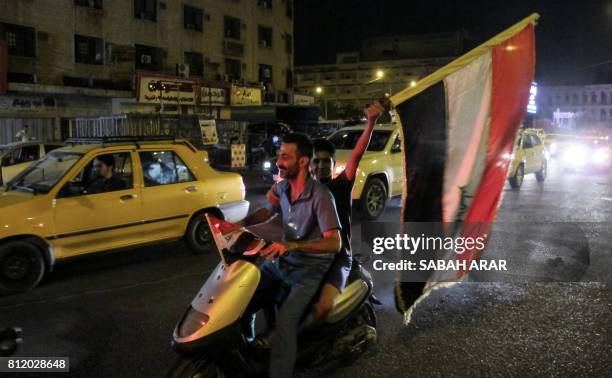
column 113, row 314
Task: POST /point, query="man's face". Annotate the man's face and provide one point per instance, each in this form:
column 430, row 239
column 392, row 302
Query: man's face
column 102, row 170
column 288, row 163
column 322, row 166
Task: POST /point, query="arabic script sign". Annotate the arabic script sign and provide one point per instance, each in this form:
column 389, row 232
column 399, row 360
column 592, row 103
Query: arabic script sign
column 169, row 91
column 245, row 96
column 212, row 96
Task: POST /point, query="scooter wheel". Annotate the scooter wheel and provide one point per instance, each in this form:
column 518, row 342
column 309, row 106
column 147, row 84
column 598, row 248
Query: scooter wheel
column 201, row 367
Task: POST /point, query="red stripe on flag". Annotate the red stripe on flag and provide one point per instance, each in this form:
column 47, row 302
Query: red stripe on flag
column 513, row 72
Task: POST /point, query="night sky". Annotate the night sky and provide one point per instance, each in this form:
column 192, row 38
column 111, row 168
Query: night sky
column 571, row 35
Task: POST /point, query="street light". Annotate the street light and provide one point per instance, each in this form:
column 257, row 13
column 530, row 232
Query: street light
column 413, row 83
column 319, row 91
column 380, row 74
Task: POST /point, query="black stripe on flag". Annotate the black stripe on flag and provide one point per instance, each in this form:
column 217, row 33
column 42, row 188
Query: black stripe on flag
column 424, row 119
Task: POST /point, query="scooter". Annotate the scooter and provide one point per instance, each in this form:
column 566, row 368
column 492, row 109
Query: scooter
column 209, row 337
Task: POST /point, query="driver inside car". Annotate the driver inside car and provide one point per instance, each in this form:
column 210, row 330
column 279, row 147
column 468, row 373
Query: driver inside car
column 106, row 180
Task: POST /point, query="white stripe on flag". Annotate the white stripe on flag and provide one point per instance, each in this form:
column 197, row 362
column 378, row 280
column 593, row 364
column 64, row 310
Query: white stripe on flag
column 468, row 94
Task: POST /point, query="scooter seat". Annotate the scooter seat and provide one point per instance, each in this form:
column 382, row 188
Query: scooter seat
column 351, row 297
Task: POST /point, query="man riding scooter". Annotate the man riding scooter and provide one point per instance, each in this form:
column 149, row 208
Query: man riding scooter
column 311, row 240
column 341, row 186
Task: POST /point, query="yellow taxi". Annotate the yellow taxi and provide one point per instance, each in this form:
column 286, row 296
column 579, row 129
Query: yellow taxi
column 109, row 194
column 528, row 156
column 15, row 157
column 380, row 173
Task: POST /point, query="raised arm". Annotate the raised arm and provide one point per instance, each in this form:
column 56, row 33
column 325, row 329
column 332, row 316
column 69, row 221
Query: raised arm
column 372, row 113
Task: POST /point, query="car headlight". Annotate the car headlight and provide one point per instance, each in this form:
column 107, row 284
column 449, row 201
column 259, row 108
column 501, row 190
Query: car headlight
column 267, row 165
column 601, row 156
column 576, row 155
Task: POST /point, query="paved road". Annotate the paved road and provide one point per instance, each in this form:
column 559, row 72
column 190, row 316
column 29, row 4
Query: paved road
column 113, row 314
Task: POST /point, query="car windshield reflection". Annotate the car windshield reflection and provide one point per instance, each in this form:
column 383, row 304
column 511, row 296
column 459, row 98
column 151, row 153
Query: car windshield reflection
column 41, row 176
column 346, row 140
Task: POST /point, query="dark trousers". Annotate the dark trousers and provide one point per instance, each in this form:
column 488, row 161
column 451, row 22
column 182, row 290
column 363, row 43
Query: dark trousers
column 303, row 275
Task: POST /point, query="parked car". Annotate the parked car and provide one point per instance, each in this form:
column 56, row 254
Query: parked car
column 528, row 156
column 15, row 157
column 380, row 175
column 58, row 207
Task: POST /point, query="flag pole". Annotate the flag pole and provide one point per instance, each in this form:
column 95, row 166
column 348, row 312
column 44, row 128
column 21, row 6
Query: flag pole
column 463, row 60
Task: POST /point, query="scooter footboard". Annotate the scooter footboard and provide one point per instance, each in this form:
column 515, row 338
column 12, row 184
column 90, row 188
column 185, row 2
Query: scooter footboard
column 220, row 302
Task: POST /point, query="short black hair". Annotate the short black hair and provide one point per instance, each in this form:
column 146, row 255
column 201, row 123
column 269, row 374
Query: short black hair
column 303, row 142
column 323, row 144
column 108, row 159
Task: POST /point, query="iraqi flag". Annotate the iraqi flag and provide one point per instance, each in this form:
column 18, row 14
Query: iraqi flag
column 459, row 125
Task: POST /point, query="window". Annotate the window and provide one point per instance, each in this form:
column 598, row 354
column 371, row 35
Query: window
column 193, row 18
column 527, row 141
column 148, row 58
column 347, row 140
column 21, row 40
column 103, row 174
column 593, row 98
column 535, row 140
column 96, row 4
column 267, row 4
column 233, row 69
column 604, row 98
column 585, row 99
column 145, row 9
column 88, row 50
column 22, row 155
column 602, row 115
column 567, row 98
column 575, row 99
column 196, row 63
column 265, row 73
column 289, row 8
column 232, row 27
column 264, row 36
column 289, row 79
column 289, row 43
column 163, row 168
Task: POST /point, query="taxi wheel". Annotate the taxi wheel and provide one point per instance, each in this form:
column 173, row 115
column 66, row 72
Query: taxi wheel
column 541, row 174
column 373, row 199
column 198, row 235
column 517, row 180
column 22, row 266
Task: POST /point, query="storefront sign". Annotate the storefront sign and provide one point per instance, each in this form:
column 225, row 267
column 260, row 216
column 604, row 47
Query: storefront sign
column 208, row 128
column 245, row 96
column 32, row 104
column 169, row 91
column 212, row 96
column 299, row 99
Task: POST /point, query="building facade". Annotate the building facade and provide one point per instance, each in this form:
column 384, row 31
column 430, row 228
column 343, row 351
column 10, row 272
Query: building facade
column 383, row 67
column 590, row 105
column 72, row 58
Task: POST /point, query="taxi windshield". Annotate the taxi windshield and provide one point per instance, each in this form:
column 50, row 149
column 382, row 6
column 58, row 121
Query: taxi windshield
column 346, row 140
column 41, row 176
